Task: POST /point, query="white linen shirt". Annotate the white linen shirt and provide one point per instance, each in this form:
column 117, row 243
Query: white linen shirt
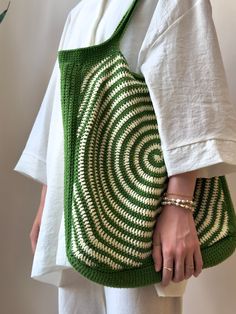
column 174, row 45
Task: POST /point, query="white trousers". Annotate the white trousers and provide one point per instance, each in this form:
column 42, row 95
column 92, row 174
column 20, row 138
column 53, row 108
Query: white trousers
column 78, row 295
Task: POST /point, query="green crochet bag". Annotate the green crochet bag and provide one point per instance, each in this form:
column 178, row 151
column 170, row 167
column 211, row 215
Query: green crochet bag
column 115, row 175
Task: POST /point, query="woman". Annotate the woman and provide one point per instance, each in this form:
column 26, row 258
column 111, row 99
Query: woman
column 174, row 45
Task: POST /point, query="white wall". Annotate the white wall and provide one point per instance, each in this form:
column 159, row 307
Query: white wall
column 29, row 38
column 214, row 291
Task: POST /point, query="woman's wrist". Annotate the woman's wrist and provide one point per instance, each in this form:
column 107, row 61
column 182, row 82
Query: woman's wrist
column 183, row 184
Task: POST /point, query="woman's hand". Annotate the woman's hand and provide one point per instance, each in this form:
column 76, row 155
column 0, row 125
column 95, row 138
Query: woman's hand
column 37, row 222
column 176, row 232
column 180, row 247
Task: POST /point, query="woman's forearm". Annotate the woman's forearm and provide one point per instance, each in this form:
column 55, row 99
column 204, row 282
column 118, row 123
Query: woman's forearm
column 43, row 195
column 183, row 183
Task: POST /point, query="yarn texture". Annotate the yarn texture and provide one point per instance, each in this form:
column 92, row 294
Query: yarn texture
column 115, row 174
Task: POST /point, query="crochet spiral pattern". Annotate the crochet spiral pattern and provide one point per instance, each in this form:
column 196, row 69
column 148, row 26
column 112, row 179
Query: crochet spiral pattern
column 115, row 173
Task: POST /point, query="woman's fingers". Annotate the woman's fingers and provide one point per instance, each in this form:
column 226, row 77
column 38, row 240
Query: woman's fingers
column 198, row 261
column 167, row 274
column 189, row 265
column 157, row 253
column 178, row 271
column 183, row 263
column 162, row 258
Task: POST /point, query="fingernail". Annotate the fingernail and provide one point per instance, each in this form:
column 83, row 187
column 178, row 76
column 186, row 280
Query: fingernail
column 157, row 268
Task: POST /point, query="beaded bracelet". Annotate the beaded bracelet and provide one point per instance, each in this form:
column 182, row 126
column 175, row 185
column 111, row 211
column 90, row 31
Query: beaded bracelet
column 178, row 202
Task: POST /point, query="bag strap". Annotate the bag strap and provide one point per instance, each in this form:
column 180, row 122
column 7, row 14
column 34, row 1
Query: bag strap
column 120, row 29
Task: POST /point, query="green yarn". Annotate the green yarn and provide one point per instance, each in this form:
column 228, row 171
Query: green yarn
column 115, row 174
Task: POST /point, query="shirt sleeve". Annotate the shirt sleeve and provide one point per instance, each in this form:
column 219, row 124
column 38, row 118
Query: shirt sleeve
column 32, row 162
column 184, row 71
